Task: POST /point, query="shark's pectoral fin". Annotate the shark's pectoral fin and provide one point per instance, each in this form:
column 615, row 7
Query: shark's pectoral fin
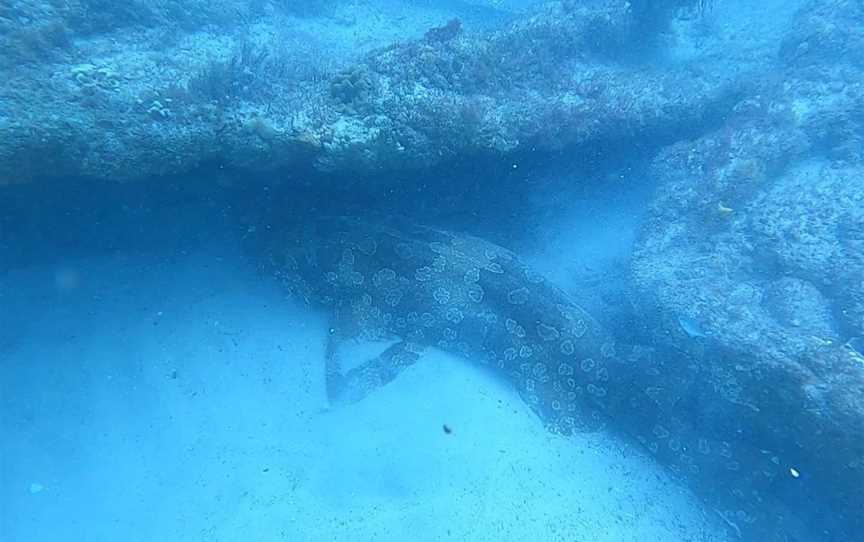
column 351, row 382
column 360, row 381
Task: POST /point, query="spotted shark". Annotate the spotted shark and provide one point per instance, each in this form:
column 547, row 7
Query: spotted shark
column 425, row 287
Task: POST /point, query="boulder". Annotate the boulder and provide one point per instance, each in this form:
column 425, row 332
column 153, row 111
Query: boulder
column 153, row 99
column 752, row 260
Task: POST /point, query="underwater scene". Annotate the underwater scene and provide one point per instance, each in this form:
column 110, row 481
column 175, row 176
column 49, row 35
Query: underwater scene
column 432, row 270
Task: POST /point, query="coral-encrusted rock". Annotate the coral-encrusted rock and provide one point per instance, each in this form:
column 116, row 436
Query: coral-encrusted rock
column 543, row 84
column 755, row 237
column 136, row 104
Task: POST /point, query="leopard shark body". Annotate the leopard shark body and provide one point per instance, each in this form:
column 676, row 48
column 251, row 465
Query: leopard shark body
column 434, row 288
column 427, row 287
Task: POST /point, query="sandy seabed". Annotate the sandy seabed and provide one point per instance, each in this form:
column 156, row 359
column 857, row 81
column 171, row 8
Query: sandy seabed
column 164, row 398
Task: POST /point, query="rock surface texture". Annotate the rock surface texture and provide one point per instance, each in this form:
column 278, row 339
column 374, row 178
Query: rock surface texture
column 756, row 237
column 153, row 98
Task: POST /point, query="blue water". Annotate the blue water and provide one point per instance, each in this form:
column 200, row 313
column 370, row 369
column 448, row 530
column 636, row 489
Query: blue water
column 158, row 382
column 159, row 392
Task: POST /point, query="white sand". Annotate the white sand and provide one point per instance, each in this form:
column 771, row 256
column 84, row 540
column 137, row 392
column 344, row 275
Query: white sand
column 236, row 445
